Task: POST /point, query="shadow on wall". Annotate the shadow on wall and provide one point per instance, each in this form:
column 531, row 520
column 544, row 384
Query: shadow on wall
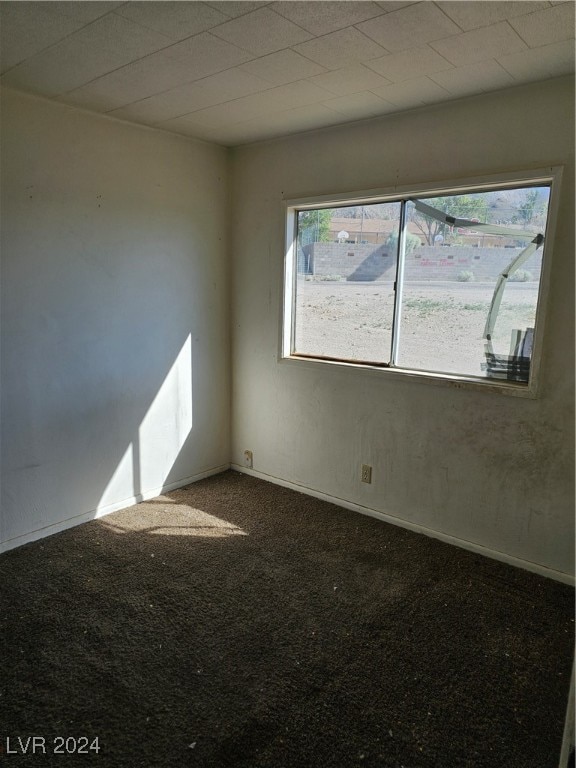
column 374, row 267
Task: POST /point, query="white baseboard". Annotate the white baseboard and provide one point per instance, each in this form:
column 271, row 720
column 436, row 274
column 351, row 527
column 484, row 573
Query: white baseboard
column 527, row 565
column 94, row 514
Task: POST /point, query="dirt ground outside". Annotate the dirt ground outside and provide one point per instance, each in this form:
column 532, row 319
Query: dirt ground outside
column 441, row 326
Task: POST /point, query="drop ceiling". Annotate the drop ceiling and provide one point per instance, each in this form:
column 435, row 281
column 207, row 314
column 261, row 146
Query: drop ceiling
column 237, row 72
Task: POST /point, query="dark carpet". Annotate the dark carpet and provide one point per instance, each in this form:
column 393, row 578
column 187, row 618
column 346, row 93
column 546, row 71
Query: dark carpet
column 238, row 623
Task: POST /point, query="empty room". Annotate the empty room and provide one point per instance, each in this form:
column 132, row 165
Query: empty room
column 287, row 384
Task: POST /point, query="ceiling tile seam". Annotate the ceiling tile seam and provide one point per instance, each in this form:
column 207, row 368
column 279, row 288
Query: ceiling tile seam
column 213, row 30
column 324, row 128
column 177, row 42
column 433, row 43
column 423, row 2
column 218, row 72
column 485, row 61
column 183, row 39
column 382, row 12
column 223, row 2
column 512, row 75
column 531, row 13
column 518, row 35
column 172, row 43
column 238, row 98
column 299, row 53
column 363, row 62
column 61, row 40
column 443, row 12
column 350, row 26
column 387, row 81
column 147, row 56
column 407, row 50
column 452, row 66
column 384, row 101
column 271, row 87
column 395, row 111
column 491, row 23
column 209, row 31
column 279, row 113
column 231, row 143
column 406, row 82
column 285, row 18
column 198, row 81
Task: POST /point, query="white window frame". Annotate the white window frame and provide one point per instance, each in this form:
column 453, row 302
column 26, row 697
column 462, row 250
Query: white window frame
column 551, row 175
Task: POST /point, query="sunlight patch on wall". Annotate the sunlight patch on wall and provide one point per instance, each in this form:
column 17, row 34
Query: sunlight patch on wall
column 122, row 481
column 168, row 422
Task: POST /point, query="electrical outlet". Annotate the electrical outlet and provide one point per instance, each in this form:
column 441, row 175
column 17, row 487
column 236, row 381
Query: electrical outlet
column 366, row 473
column 248, row 459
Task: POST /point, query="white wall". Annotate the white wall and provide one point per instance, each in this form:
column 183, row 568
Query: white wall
column 115, row 342
column 482, row 467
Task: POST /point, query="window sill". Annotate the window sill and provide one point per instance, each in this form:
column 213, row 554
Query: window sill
column 477, row 383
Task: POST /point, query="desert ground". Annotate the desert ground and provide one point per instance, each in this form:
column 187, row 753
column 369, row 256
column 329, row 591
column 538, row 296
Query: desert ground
column 441, row 323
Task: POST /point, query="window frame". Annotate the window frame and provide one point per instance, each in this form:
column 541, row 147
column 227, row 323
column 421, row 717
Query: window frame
column 551, row 175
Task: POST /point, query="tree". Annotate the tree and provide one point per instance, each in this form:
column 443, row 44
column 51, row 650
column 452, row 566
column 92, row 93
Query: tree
column 412, row 242
column 530, row 207
column 314, row 226
column 461, row 207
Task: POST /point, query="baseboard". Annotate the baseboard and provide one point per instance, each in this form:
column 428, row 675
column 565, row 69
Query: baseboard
column 41, row 533
column 527, row 565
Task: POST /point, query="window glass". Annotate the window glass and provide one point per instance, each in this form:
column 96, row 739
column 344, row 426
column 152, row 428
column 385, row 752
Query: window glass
column 448, row 291
column 345, row 282
column 446, row 283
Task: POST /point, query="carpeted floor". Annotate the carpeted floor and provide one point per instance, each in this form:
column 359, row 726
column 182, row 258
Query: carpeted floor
column 238, row 623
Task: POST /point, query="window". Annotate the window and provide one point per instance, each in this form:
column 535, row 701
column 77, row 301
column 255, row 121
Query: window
column 444, row 282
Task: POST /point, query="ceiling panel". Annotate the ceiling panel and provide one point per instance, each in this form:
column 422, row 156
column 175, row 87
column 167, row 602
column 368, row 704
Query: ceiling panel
column 389, row 6
column 471, row 14
column 176, row 20
column 100, row 47
column 481, row 44
column 410, row 27
column 359, row 105
column 323, row 18
column 208, row 92
column 233, row 9
column 310, row 116
column 261, row 32
column 145, row 77
column 483, row 76
column 413, row 93
column 283, row 67
column 27, row 30
column 205, row 55
column 85, row 11
column 347, row 46
column 168, row 105
column 237, row 111
column 549, row 61
column 552, row 25
column 408, row 64
column 298, row 94
column 349, row 80
column 232, row 72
